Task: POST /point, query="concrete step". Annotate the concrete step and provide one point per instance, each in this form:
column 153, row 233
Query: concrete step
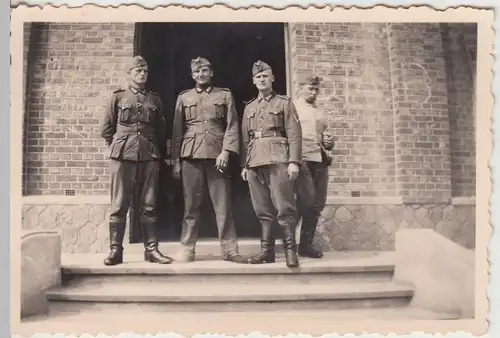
column 341, row 267
column 204, row 247
column 227, row 297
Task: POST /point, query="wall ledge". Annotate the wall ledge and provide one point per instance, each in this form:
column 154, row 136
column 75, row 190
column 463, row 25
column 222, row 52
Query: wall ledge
column 66, row 200
column 331, row 200
column 467, row 200
column 347, row 200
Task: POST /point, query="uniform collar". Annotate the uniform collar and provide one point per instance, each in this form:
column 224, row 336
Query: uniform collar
column 200, row 90
column 137, row 90
column 267, row 98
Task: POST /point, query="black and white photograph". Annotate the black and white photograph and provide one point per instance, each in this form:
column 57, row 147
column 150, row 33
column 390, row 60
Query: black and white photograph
column 291, row 171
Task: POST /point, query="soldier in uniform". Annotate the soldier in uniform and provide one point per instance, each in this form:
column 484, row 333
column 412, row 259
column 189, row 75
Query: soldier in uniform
column 134, row 129
column 271, row 135
column 312, row 183
column 205, row 134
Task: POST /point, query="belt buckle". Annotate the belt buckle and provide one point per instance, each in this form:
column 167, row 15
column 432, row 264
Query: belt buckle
column 257, row 134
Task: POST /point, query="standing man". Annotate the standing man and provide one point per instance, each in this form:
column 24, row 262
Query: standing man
column 134, row 129
column 271, row 135
column 312, row 183
column 205, row 134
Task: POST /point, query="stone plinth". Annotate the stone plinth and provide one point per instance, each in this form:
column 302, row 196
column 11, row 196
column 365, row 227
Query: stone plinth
column 40, row 269
column 348, row 226
column 373, row 227
column 441, row 271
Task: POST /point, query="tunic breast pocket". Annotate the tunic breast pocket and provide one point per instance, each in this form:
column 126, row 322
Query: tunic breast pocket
column 151, row 112
column 124, row 111
column 277, row 118
column 220, row 109
column 190, row 110
column 251, row 121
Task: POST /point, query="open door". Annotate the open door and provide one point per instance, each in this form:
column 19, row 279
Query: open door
column 232, row 48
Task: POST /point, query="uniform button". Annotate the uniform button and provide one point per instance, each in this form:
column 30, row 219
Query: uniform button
column 206, row 132
column 138, row 133
column 138, row 122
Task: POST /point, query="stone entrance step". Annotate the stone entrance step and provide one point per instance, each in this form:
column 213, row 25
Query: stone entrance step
column 204, row 247
column 343, row 280
column 228, row 297
column 340, row 267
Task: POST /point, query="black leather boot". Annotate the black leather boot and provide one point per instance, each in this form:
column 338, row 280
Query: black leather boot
column 116, row 234
column 267, row 253
column 151, row 252
column 307, row 231
column 290, row 246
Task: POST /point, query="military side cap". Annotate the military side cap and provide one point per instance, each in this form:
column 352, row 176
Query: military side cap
column 259, row 66
column 312, row 80
column 137, row 61
column 199, row 62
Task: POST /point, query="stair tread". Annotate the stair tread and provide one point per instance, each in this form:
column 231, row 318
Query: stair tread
column 134, row 264
column 158, row 292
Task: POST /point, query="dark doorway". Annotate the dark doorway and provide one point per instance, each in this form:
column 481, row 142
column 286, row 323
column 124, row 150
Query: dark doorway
column 232, row 48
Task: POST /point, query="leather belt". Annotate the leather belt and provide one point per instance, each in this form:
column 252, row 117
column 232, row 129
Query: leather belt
column 263, row 134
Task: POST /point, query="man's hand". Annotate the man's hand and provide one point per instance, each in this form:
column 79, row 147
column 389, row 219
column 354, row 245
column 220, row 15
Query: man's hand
column 177, row 169
column 222, row 161
column 244, row 173
column 293, row 171
column 327, row 141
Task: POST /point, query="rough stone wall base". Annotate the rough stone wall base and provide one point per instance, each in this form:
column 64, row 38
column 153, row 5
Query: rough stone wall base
column 373, row 227
column 83, row 227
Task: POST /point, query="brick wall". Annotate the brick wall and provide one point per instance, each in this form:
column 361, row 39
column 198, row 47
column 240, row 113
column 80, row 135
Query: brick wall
column 399, row 104
column 26, row 55
column 75, row 66
column 353, row 60
column 460, row 44
column 421, row 112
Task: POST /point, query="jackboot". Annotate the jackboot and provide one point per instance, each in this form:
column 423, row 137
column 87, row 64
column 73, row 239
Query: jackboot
column 151, row 252
column 116, row 234
column 307, row 232
column 267, row 253
column 290, row 245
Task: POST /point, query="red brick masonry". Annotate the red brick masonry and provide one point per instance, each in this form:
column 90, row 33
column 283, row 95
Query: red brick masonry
column 400, row 99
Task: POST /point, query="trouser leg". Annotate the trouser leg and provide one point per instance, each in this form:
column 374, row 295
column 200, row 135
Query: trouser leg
column 219, row 188
column 282, row 195
column 260, row 195
column 193, row 182
column 121, row 190
column 147, row 184
column 311, row 192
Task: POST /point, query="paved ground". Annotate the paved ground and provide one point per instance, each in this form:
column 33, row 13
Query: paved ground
column 356, row 321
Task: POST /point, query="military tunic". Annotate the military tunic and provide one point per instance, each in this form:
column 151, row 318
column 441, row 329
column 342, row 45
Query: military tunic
column 134, row 129
column 205, row 124
column 271, row 134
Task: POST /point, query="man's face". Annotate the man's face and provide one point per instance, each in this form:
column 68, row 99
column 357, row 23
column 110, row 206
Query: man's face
column 310, row 92
column 264, row 80
column 202, row 75
column 139, row 75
